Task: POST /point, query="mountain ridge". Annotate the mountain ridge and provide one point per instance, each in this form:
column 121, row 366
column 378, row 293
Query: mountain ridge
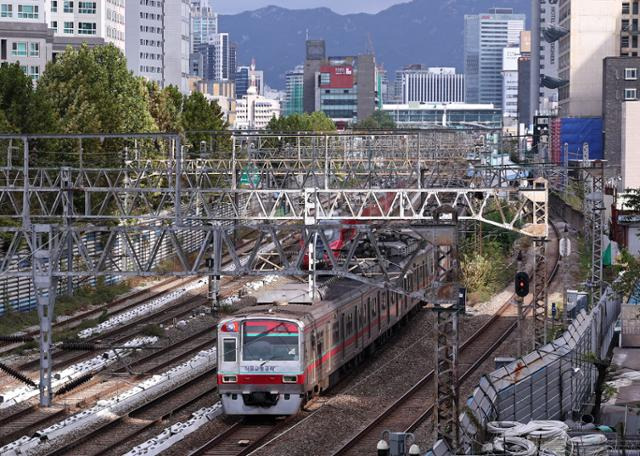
column 419, row 31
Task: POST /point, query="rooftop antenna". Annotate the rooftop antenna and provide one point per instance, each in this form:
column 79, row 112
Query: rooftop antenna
column 307, row 34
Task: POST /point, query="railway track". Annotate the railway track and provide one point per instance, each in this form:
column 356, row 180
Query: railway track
column 408, row 412
column 122, row 304
column 176, row 311
column 106, row 438
column 242, row 437
column 25, row 419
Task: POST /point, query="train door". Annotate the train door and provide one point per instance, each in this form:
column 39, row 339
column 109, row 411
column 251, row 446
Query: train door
column 405, row 300
column 379, row 310
column 388, row 303
column 356, row 324
column 396, row 298
column 343, row 335
column 319, row 351
column 368, row 321
column 313, row 372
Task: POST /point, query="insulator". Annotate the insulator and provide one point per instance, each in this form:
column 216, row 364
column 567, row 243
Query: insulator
column 16, row 339
column 80, row 346
column 17, row 375
column 73, row 384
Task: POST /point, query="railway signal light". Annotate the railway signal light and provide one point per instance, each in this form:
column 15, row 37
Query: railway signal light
column 462, row 300
column 522, row 284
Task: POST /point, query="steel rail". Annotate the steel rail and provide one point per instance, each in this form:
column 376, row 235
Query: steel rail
column 425, row 382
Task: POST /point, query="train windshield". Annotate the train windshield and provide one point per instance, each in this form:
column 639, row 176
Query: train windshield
column 270, row 340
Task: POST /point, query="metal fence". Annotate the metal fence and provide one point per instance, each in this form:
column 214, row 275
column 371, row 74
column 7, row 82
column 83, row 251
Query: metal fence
column 16, row 293
column 550, row 383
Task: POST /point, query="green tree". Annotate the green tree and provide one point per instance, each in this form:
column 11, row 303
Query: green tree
column 93, row 92
column 201, row 115
column 23, row 110
column 629, row 281
column 317, row 121
column 379, row 120
column 164, row 108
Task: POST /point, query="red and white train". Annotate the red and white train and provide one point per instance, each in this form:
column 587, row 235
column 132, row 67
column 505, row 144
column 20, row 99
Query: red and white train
column 273, row 357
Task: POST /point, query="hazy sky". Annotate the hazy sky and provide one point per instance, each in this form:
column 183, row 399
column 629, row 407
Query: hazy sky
column 339, row 6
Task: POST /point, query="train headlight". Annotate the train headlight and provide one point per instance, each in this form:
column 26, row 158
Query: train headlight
column 230, row 326
column 229, row 379
column 289, row 379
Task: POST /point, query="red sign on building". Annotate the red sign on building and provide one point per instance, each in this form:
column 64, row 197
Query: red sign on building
column 339, row 77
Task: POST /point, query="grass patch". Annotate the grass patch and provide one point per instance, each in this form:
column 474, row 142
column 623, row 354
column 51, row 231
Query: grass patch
column 153, row 331
column 12, row 321
column 584, row 251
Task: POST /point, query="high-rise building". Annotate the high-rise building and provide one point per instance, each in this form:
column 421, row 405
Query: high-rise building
column 243, row 77
column 485, row 35
column 233, row 60
column 621, row 77
column 254, row 111
column 203, row 61
column 346, row 88
column 430, row 85
column 295, row 96
column 524, row 79
column 629, row 34
column 510, row 57
column 593, row 33
column 223, row 61
column 204, row 24
column 315, row 55
column 158, row 42
column 549, row 51
column 92, row 22
column 25, row 37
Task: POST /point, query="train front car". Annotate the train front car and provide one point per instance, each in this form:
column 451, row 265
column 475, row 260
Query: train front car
column 260, row 366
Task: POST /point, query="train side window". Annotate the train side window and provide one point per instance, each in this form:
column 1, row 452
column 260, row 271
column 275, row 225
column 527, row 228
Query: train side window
column 319, row 343
column 335, row 333
column 373, row 309
column 229, row 350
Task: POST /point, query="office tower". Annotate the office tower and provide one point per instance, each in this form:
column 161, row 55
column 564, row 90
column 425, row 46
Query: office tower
column 629, row 33
column 550, row 33
column 243, row 77
column 223, row 60
column 430, row 85
column 294, row 87
column 233, row 60
column 315, row 55
column 510, row 57
column 621, row 85
column 158, row 42
column 25, row 36
column 204, row 24
column 485, row 35
column 203, row 61
column 91, row 22
column 524, row 79
column 346, row 88
column 593, row 33
column 254, row 111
